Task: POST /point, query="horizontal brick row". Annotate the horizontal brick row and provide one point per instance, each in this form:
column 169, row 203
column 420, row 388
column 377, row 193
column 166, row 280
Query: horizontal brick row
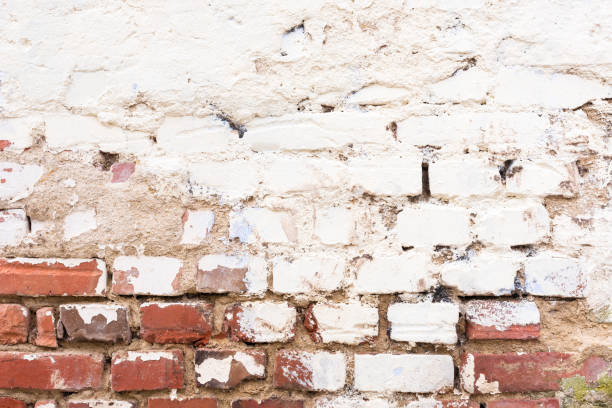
column 485, row 273
column 337, row 402
column 298, row 370
column 350, row 322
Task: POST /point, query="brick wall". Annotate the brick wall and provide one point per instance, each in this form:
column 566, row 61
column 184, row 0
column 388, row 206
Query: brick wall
column 323, row 204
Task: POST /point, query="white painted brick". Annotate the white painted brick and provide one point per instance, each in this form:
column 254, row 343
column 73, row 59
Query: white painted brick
column 542, row 178
column 391, row 176
column 552, row 274
column 378, row 95
column 403, row 372
column 502, row 315
column 261, row 224
column 86, row 88
column 13, row 227
column 193, row 135
column 17, row 181
column 289, row 175
column 423, row 322
column 463, row 178
column 520, row 223
column 455, row 132
column 591, row 229
column 16, row 134
column 196, row 226
column 262, row 322
column 211, row 179
column 528, row 87
column 147, row 275
column 428, row 225
column 406, row 272
column 307, row 274
column 315, row 131
column 79, row 222
column 465, row 85
column 345, row 401
column 335, row 225
column 318, row 371
column 348, row 323
column 484, row 274
column 74, row 132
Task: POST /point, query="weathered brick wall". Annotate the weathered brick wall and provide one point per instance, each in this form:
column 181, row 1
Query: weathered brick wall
column 320, row 204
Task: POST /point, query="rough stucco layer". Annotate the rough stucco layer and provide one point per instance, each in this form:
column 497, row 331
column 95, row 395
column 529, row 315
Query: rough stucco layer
column 348, row 203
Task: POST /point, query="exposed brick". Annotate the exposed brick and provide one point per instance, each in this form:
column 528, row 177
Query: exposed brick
column 95, row 322
column 268, row 403
column 335, row 225
column 51, row 371
column 514, row 224
column 348, row 323
column 514, row 372
column 147, row 370
column 13, row 227
column 45, row 328
column 6, row 402
column 551, row 274
column 147, row 275
column 488, row 319
column 232, row 274
column 260, row 322
column 251, row 225
column 403, row 372
column 14, row 324
column 431, row 403
column 524, row 403
column 182, row 403
column 487, row 273
column 94, row 403
column 318, row 371
column 17, row 181
column 196, row 226
column 228, row 368
column 450, row 178
column 429, row 225
column 423, row 322
column 176, row 322
column 406, row 272
column 122, row 171
column 52, row 277
column 307, row 274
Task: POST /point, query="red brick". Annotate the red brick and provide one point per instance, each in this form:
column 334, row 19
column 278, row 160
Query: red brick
column 14, row 323
column 45, row 328
column 218, row 368
column 6, row 402
column 147, row 370
column 269, row 403
column 176, row 322
column 51, row 371
column 521, row 403
column 486, row 319
column 594, row 367
column 316, row 371
column 122, row 171
column 52, row 277
column 513, row 372
column 182, row 403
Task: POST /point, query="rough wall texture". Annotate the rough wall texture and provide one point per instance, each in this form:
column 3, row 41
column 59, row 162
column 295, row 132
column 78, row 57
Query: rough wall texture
column 320, row 204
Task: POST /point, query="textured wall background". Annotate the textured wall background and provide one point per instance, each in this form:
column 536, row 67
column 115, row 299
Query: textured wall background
column 323, row 204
